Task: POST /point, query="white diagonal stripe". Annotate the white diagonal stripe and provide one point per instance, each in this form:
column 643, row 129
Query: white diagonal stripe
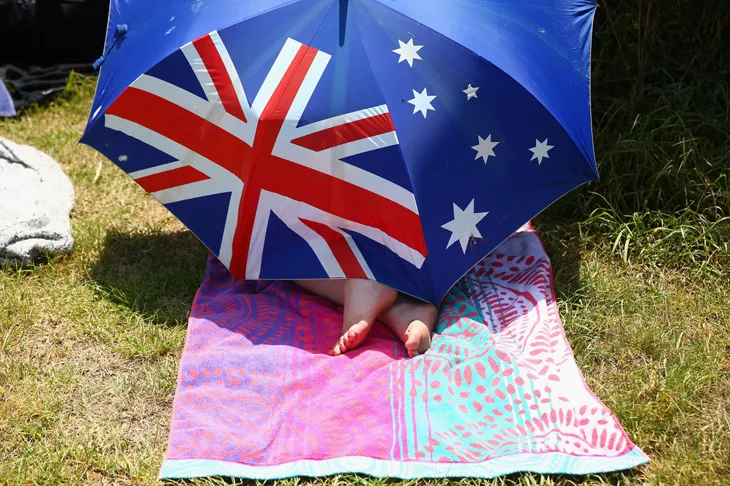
column 281, row 65
column 173, row 94
column 301, row 100
column 229, row 231
column 212, row 112
column 258, row 238
column 170, row 147
column 337, row 121
column 193, row 190
column 201, row 72
column 358, row 255
column 235, row 78
column 155, row 170
column 339, row 152
column 319, row 246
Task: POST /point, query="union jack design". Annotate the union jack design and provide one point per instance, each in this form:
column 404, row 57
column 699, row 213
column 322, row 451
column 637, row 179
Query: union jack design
column 259, row 154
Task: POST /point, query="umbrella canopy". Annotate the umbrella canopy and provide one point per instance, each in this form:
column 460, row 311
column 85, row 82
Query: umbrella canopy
column 399, row 141
column 7, row 107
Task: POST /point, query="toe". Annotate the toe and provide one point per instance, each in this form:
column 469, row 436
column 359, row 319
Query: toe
column 412, row 343
column 425, row 344
column 413, row 340
column 418, row 338
column 343, row 344
column 349, row 338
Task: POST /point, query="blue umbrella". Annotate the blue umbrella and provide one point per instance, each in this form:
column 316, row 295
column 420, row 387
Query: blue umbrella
column 395, row 140
column 7, row 107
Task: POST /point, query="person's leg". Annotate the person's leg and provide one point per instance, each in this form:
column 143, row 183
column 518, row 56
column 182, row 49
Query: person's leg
column 332, row 290
column 413, row 322
column 363, row 301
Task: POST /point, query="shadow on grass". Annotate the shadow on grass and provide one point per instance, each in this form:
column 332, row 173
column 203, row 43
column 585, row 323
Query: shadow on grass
column 153, row 274
column 562, row 245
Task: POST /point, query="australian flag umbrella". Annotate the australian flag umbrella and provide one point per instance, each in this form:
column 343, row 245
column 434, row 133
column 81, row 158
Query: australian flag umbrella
column 395, row 140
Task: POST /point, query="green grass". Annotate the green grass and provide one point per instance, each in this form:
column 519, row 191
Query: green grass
column 90, row 343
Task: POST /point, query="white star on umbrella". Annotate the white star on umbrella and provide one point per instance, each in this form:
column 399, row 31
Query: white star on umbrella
column 471, row 92
column 540, row 151
column 408, row 52
column 485, row 148
column 464, row 225
column 422, row 102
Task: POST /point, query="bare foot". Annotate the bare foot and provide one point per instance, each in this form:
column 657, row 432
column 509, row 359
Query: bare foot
column 419, row 338
column 413, row 322
column 352, row 338
column 364, row 301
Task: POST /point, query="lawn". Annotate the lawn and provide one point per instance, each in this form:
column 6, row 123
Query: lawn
column 90, row 343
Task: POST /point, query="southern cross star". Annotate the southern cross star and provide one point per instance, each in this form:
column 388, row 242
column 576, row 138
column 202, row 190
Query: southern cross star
column 485, row 148
column 408, row 52
column 471, row 92
column 464, row 225
column 540, row 151
column 422, row 102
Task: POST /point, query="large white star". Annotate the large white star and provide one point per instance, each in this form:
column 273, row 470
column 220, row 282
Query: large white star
column 485, row 148
column 471, row 92
column 422, row 102
column 408, row 52
column 464, row 225
column 540, row 151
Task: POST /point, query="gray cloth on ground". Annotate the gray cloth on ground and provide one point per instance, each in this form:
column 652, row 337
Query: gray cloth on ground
column 36, row 199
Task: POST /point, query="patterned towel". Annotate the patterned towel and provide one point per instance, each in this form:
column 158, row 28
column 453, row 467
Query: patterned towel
column 499, row 391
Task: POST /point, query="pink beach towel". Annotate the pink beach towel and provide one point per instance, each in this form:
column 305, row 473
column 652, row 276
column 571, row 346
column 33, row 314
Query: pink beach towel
column 498, row 392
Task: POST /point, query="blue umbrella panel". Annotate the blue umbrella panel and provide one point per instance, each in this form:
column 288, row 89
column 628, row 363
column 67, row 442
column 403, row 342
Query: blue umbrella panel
column 395, row 141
